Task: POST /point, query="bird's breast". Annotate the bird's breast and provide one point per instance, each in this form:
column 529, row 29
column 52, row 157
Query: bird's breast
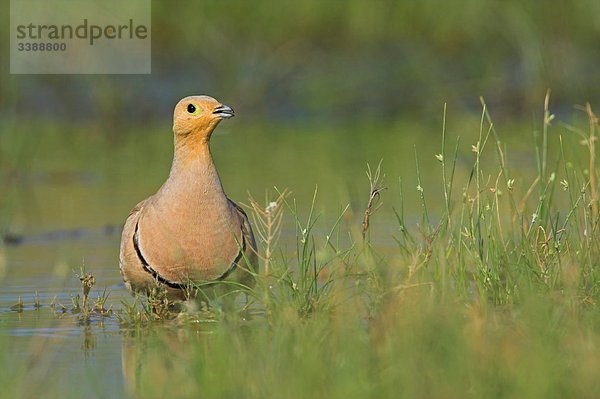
column 197, row 243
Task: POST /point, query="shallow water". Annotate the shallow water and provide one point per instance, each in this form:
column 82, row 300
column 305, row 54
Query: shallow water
column 69, row 192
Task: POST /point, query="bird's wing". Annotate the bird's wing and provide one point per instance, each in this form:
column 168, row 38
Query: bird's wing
column 127, row 258
column 247, row 245
column 137, row 273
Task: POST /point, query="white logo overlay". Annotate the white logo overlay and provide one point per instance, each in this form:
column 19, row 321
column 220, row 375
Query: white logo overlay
column 80, row 37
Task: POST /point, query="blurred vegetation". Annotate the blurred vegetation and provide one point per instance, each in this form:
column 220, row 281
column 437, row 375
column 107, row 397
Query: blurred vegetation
column 337, row 61
column 477, row 278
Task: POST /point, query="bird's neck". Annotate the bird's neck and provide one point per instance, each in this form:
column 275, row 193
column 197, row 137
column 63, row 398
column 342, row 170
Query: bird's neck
column 193, row 181
column 193, row 159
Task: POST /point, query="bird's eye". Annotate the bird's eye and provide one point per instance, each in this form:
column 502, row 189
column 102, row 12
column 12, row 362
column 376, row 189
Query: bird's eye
column 191, row 108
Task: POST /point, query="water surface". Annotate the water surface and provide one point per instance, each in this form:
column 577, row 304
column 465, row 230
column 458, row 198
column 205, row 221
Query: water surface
column 67, row 192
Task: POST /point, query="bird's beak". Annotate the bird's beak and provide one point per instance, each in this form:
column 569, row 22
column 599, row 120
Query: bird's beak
column 223, row 111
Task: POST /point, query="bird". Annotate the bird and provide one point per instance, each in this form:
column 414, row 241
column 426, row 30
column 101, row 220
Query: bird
column 189, row 233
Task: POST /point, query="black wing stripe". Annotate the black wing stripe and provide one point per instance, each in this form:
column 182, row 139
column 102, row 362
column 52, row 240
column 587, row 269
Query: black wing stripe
column 234, row 264
column 146, row 265
column 157, row 276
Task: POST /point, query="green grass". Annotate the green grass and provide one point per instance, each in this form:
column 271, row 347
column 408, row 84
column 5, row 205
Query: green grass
column 489, row 301
column 491, row 293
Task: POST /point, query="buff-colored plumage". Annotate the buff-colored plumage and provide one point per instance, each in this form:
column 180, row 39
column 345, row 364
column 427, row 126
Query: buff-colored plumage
column 189, row 231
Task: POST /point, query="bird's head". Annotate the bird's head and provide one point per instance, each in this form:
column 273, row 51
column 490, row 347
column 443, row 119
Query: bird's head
column 199, row 115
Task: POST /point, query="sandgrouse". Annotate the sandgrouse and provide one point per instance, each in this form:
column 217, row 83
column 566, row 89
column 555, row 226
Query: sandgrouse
column 189, row 232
